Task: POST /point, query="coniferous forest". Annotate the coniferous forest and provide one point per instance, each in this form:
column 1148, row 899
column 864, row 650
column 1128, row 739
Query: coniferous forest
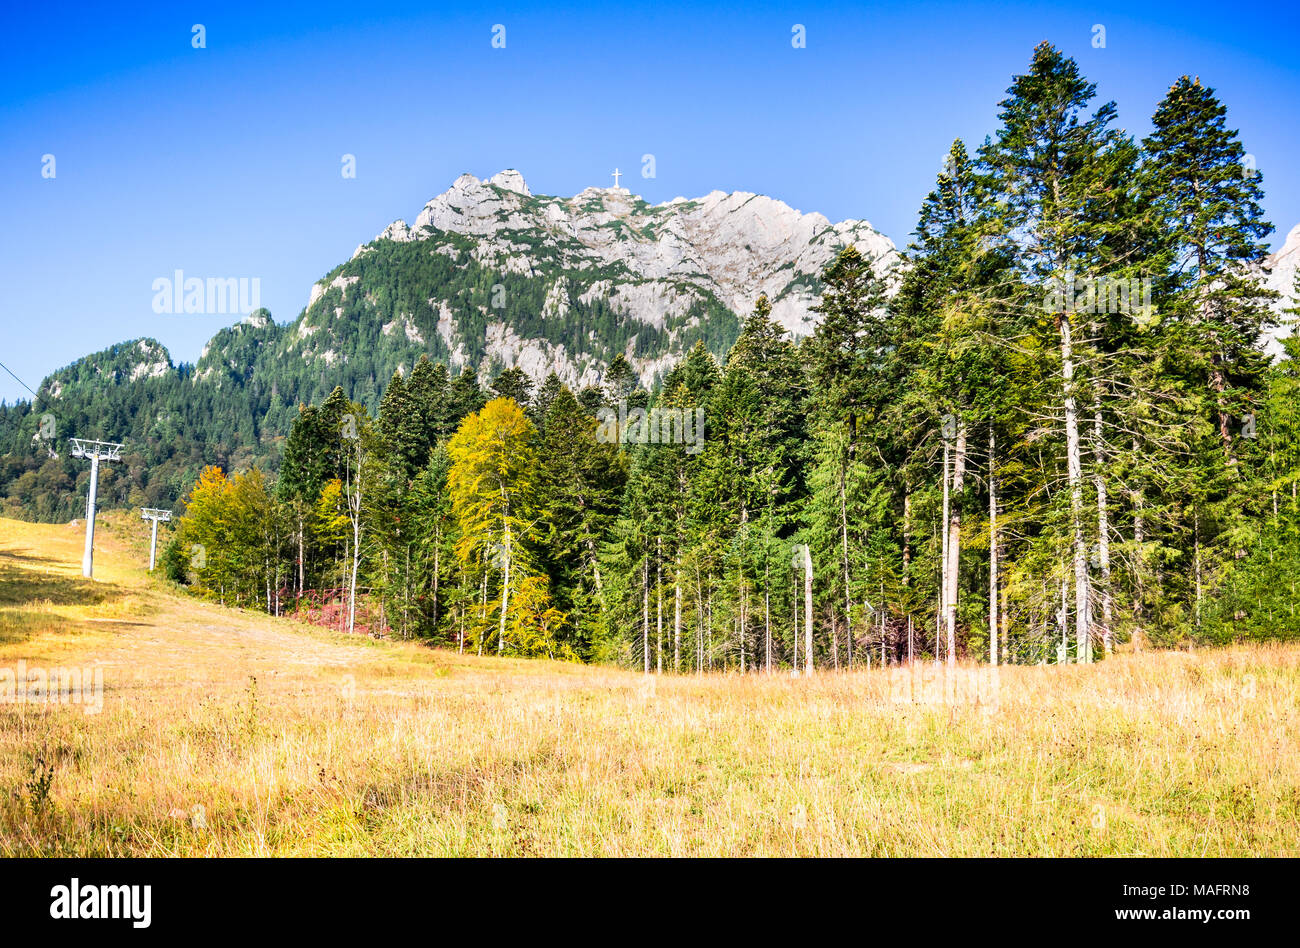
column 1052, row 433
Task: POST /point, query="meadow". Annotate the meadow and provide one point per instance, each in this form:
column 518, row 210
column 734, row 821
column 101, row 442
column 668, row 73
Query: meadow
column 231, row 733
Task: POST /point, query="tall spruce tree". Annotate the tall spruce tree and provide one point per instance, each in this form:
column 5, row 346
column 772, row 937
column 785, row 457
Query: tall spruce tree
column 1059, row 169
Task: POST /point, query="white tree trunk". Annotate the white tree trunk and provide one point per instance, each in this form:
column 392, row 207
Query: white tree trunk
column 1074, row 472
column 1140, row 569
column 993, row 552
column 943, row 562
column 505, row 589
column 807, row 610
column 645, row 612
column 659, row 611
column 844, row 545
column 954, row 541
column 302, row 557
column 677, row 616
column 767, row 629
column 1103, row 530
column 355, row 510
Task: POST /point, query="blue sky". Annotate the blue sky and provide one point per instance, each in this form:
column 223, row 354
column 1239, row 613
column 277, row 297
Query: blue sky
column 225, row 161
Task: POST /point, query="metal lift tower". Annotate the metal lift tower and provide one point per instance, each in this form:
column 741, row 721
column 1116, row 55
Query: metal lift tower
column 154, row 514
column 96, row 451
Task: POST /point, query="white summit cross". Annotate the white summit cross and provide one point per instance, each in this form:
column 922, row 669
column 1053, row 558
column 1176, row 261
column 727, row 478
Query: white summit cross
column 617, row 174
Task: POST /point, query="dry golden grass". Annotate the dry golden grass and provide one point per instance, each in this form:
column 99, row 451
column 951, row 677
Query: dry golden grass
column 230, row 733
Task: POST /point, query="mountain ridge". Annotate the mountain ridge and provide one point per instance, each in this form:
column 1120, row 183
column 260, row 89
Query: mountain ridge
column 490, row 276
column 731, row 246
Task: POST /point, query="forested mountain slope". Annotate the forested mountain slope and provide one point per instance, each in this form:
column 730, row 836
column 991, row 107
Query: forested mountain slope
column 490, row 276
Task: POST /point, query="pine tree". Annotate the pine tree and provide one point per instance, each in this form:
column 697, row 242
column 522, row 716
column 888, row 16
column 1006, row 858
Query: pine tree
column 580, row 482
column 1060, row 171
column 401, row 430
column 546, row 394
column 951, row 360
column 427, row 388
column 464, row 397
column 1196, row 175
column 514, row 383
column 846, row 357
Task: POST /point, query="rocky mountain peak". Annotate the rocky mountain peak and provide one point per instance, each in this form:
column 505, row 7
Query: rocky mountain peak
column 1282, row 266
column 510, row 180
column 736, row 244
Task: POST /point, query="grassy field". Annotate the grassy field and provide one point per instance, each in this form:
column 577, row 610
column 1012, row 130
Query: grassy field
column 228, row 733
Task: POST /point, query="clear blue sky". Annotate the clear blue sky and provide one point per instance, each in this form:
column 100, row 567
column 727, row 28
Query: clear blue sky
column 225, row 161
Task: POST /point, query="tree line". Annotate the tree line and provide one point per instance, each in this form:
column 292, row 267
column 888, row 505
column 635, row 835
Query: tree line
column 1054, row 431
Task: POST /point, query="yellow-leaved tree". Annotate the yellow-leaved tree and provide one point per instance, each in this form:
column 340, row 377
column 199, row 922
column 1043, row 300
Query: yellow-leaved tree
column 227, row 533
column 492, row 482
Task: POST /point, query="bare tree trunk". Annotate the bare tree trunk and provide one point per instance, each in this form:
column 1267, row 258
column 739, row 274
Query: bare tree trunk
column 1064, row 615
column 954, row 540
column 1103, row 529
column 1006, row 625
column 677, row 616
column 740, row 635
column 795, row 601
column 883, row 662
column 302, row 557
column 708, row 625
column 505, row 588
column 907, row 536
column 943, row 561
column 483, row 607
column 383, row 596
column 804, row 559
column 835, row 640
column 699, row 624
column 1196, row 559
column 1074, row 471
column 993, row 551
column 1139, row 556
column 767, row 629
column 1218, row 383
column 659, row 607
column 356, row 563
column 645, row 612
column 595, row 563
column 844, row 545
